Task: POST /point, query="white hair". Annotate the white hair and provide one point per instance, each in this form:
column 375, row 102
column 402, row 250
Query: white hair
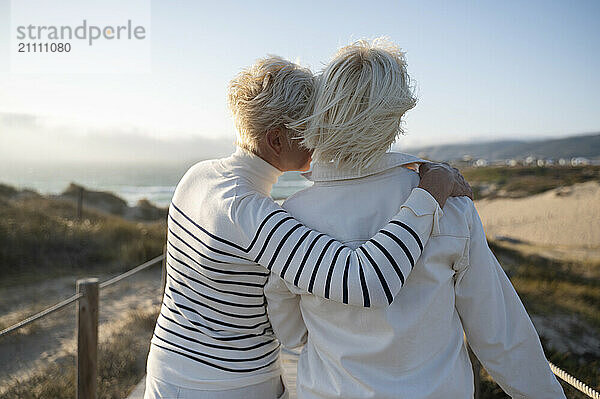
column 360, row 98
column 270, row 94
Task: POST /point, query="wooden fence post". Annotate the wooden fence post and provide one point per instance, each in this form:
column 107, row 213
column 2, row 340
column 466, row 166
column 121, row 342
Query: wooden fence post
column 80, row 203
column 87, row 339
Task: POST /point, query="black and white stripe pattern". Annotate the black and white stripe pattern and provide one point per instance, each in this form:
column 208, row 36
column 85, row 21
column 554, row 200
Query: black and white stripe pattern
column 214, row 309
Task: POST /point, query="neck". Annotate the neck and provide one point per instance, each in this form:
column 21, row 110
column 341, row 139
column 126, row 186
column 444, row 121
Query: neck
column 259, row 171
column 269, row 157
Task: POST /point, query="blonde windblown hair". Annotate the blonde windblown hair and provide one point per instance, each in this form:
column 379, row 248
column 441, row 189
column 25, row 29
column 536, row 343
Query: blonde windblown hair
column 271, row 93
column 360, row 98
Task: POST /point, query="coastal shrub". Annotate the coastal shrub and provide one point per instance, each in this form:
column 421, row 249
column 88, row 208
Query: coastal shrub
column 40, row 237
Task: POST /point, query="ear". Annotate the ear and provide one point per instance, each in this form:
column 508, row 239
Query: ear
column 274, row 140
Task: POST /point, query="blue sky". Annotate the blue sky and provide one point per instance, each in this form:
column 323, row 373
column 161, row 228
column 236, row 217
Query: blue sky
column 484, row 69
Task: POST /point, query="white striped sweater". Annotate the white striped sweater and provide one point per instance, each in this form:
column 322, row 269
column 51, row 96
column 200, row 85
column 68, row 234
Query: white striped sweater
column 224, row 236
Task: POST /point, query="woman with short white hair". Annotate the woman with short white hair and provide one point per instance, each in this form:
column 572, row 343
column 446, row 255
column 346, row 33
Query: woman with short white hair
column 213, row 338
column 359, row 105
column 414, row 348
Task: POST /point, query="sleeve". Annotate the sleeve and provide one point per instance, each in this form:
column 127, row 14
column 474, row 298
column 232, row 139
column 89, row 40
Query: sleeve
column 283, row 308
column 496, row 324
column 371, row 275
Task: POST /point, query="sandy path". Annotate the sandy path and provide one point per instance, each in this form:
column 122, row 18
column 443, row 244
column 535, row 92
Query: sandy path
column 52, row 337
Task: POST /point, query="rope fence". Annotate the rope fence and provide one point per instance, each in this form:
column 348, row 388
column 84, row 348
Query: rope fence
column 574, row 382
column 87, row 298
column 77, row 296
column 131, row 272
column 87, row 320
column 41, row 314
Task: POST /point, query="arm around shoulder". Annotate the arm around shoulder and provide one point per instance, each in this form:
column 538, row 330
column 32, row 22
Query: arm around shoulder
column 369, row 276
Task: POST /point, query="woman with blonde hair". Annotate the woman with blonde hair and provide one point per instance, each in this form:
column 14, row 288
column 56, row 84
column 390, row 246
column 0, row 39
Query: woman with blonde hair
column 414, row 348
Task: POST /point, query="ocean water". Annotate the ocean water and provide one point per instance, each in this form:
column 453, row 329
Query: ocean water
column 131, row 182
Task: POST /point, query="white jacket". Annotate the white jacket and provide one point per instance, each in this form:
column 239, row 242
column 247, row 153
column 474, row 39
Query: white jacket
column 415, row 348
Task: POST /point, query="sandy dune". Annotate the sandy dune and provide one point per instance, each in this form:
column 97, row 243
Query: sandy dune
column 566, row 219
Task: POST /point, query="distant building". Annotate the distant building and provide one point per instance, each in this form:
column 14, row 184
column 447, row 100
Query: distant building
column 579, row 161
column 480, row 163
column 562, row 162
column 511, row 162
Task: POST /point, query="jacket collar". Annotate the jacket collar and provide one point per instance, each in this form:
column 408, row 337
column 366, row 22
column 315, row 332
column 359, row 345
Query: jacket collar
column 326, row 171
column 259, row 172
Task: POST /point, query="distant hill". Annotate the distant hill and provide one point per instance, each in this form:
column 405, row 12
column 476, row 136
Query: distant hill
column 587, row 146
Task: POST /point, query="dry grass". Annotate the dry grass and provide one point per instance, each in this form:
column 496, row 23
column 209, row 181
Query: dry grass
column 551, row 287
column 584, row 369
column 517, row 182
column 121, row 364
column 39, row 238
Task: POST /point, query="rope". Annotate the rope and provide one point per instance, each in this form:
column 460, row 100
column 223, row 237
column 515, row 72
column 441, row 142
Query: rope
column 76, row 297
column 574, row 382
column 41, row 314
column 131, row 272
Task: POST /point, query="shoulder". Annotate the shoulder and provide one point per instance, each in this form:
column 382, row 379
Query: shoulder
column 458, row 216
column 295, row 201
column 206, row 166
column 251, row 207
column 205, row 190
column 199, row 170
column 189, row 181
column 459, row 205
